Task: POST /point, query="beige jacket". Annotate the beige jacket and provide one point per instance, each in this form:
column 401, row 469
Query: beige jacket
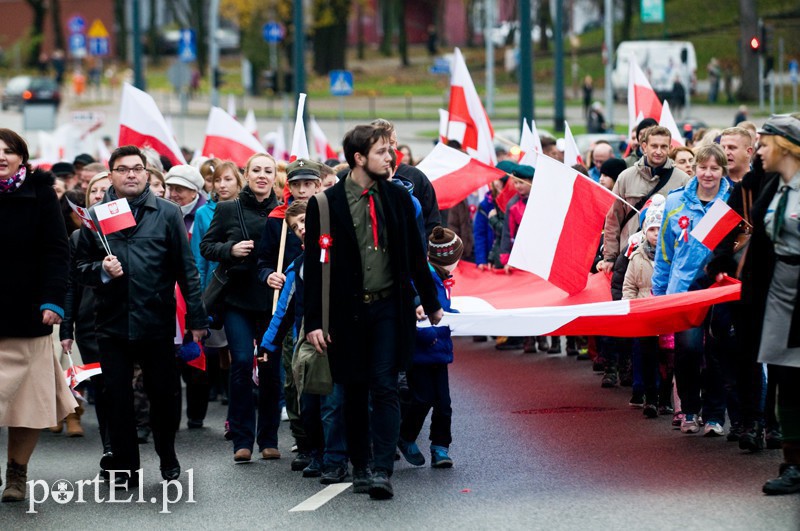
column 639, row 276
column 632, row 185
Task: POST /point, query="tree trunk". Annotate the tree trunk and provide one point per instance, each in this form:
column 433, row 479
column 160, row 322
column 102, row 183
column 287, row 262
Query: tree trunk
column 199, row 21
column 627, row 21
column 360, row 30
column 36, row 33
column 121, row 30
column 402, row 38
column 545, row 21
column 329, row 48
column 470, row 29
column 58, row 27
column 153, row 39
column 388, row 28
column 748, row 61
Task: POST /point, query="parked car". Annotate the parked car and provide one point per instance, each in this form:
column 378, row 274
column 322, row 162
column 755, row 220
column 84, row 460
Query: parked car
column 21, row 90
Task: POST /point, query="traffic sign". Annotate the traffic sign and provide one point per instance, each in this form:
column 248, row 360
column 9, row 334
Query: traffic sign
column 793, row 71
column 76, row 24
column 187, row 46
column 341, row 82
column 180, row 75
column 272, row 32
column 77, row 45
column 98, row 46
column 440, row 66
column 97, row 30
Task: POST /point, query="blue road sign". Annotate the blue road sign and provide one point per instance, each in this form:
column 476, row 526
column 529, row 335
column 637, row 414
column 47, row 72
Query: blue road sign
column 76, row 24
column 77, row 44
column 187, row 46
column 440, row 66
column 98, row 46
column 793, row 71
column 341, row 82
column 272, row 32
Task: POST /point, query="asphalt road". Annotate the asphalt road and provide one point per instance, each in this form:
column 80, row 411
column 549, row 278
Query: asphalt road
column 537, row 444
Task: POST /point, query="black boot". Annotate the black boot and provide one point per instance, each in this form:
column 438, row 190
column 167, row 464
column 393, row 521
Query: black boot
column 787, row 483
column 752, row 439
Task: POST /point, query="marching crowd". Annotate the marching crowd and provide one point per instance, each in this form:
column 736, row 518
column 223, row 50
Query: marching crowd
column 294, row 290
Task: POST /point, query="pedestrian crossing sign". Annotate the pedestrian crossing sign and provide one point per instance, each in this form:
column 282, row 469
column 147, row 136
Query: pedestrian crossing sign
column 341, row 82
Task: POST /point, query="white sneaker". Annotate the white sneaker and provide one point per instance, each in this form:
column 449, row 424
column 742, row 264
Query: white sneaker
column 284, row 415
column 689, row 424
column 713, row 429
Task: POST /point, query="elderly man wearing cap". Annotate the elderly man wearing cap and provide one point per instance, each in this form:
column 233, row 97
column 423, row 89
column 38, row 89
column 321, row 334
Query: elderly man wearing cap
column 303, row 181
column 184, row 184
column 66, row 172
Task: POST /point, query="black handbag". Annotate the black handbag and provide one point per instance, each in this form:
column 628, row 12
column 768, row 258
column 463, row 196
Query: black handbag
column 214, row 294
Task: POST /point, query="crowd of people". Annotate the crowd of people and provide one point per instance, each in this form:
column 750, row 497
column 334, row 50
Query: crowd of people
column 270, row 262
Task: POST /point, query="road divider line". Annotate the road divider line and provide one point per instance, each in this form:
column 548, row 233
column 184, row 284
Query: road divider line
column 321, row 498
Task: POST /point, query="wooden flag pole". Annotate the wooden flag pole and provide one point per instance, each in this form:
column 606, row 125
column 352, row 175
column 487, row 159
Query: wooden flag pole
column 281, row 253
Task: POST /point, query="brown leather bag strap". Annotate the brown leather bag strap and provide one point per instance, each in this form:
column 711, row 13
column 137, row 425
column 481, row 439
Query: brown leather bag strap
column 747, row 202
column 325, row 228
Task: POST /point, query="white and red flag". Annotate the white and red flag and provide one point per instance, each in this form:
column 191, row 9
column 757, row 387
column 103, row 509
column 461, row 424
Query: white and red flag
column 643, row 101
column 466, row 113
column 455, row 174
column 83, row 214
column 142, row 124
column 227, row 139
column 232, row 106
column 250, row 124
column 572, row 154
column 299, row 140
column 114, row 216
column 523, row 304
column 529, row 142
column 560, row 230
column 668, row 121
column 321, row 145
column 279, row 147
column 716, row 224
column 76, row 374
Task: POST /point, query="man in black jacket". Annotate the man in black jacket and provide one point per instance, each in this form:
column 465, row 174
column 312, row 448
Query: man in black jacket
column 375, row 255
column 135, row 288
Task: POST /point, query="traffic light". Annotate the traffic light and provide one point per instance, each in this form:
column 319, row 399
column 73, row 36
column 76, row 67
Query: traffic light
column 755, row 44
column 218, row 80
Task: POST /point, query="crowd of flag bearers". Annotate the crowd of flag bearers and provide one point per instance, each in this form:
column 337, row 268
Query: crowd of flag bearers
column 212, row 278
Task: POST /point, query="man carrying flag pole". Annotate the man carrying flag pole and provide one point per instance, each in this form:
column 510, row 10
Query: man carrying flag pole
column 136, row 307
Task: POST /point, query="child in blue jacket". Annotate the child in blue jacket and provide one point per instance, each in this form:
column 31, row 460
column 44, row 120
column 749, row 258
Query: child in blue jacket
column 427, row 376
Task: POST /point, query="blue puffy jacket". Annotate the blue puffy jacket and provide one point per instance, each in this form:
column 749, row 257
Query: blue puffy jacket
column 679, row 263
column 433, row 343
column 482, row 231
column 202, row 220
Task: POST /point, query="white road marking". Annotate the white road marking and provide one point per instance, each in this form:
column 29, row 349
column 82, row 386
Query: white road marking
column 321, row 498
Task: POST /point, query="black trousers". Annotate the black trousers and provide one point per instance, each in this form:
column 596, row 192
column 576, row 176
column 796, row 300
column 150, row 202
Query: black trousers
column 156, row 357
column 430, row 389
column 197, row 390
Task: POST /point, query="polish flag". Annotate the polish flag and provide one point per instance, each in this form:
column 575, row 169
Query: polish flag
column 250, row 123
column 716, row 224
column 232, row 106
column 523, row 304
column 455, row 175
column 279, row 147
column 142, row 124
column 561, row 227
column 467, row 113
column 114, row 216
column 227, row 139
column 668, row 121
column 444, row 119
column 103, row 154
column 529, row 141
column 506, row 194
column 76, row 374
column 321, row 145
column 642, row 99
column 83, row 214
column 180, row 330
column 572, row 154
column 299, row 141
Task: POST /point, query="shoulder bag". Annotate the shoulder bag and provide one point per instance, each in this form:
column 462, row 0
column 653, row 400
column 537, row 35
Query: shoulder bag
column 214, row 294
column 311, row 369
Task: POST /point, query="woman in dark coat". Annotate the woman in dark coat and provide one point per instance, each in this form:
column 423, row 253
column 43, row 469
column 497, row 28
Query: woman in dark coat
column 247, row 310
column 35, row 260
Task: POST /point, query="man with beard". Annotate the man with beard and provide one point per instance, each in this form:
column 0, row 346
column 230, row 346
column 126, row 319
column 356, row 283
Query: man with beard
column 375, row 254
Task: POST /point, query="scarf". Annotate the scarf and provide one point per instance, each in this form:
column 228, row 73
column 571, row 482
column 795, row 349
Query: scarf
column 136, row 203
column 187, row 209
column 649, row 250
column 14, row 182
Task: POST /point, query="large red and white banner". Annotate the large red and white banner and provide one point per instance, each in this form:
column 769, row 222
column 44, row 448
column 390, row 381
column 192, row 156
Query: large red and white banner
column 455, row 174
column 114, row 216
column 228, row 139
column 560, row 230
column 466, row 113
column 142, row 124
column 716, row 224
column 523, row 304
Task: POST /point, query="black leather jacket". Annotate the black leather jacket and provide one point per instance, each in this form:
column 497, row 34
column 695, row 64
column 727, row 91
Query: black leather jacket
column 154, row 254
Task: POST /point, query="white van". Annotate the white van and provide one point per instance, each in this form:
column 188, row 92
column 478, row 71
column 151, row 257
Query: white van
column 661, row 62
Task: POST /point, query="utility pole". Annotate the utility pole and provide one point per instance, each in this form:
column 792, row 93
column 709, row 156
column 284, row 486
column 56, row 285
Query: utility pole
column 213, row 51
column 299, row 49
column 487, row 37
column 138, row 69
column 609, row 41
column 559, row 67
column 525, row 65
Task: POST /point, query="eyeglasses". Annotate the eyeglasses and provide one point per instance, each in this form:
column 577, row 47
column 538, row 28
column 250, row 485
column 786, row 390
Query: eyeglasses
column 124, row 170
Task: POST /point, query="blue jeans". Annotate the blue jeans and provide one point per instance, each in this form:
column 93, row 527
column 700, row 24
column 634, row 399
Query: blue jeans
column 323, row 421
column 690, row 353
column 242, row 328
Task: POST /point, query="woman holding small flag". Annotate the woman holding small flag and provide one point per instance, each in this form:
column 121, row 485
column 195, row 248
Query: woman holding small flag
column 679, row 267
column 35, row 258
